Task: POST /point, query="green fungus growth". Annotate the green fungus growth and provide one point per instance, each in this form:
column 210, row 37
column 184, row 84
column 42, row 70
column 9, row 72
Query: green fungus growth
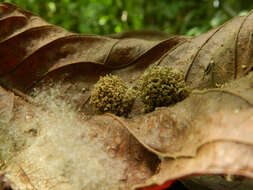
column 161, row 86
column 111, row 94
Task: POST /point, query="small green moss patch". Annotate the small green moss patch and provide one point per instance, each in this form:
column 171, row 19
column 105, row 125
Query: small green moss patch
column 112, row 94
column 161, row 86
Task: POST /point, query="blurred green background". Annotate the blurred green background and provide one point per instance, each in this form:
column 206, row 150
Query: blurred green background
column 186, row 17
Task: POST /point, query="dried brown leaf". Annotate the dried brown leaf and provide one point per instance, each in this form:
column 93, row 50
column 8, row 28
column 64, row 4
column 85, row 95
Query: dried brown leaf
column 214, row 159
column 49, row 142
column 172, row 132
column 43, row 48
column 6, row 105
column 61, row 150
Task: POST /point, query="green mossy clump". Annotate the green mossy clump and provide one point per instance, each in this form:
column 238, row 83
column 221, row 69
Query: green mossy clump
column 161, row 86
column 111, row 94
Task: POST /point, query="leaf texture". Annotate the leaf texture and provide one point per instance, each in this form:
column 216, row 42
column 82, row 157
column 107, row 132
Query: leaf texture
column 54, row 137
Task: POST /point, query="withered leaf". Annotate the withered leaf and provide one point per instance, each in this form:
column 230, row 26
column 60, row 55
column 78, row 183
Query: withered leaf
column 172, row 132
column 213, row 161
column 58, row 149
column 6, row 105
column 200, row 139
column 47, row 144
column 43, row 48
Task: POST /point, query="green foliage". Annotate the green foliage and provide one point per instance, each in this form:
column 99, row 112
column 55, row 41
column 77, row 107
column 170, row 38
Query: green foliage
column 190, row 17
column 161, row 86
column 111, row 94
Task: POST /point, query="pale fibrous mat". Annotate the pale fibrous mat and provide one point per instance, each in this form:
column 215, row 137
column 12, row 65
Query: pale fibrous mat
column 64, row 155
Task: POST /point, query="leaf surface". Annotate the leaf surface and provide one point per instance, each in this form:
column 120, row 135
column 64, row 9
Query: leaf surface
column 51, row 138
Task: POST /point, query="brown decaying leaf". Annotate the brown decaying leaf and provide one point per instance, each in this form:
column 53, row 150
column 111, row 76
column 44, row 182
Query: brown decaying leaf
column 6, row 105
column 43, row 48
column 207, row 133
column 172, row 132
column 216, row 158
column 181, row 131
column 55, row 148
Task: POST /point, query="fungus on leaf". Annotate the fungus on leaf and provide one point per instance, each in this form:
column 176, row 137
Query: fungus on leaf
column 112, row 94
column 161, row 86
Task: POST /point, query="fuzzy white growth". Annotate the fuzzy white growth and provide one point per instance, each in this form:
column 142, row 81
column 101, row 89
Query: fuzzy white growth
column 65, row 155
